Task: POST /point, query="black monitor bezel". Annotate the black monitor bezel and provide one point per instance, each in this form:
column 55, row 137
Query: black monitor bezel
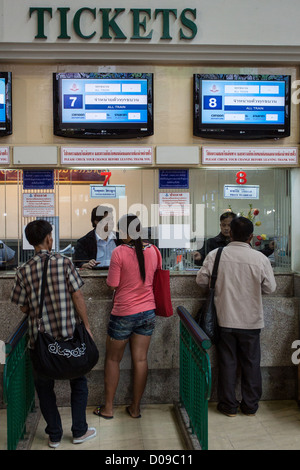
column 101, row 130
column 239, row 131
column 6, row 127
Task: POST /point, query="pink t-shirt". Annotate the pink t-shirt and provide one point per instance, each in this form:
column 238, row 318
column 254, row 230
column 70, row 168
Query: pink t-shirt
column 132, row 295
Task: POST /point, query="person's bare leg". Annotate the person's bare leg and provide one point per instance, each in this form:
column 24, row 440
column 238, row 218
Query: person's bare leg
column 114, row 353
column 139, row 345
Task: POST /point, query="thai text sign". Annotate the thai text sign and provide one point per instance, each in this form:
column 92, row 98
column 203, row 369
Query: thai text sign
column 250, row 155
column 38, row 205
column 106, row 156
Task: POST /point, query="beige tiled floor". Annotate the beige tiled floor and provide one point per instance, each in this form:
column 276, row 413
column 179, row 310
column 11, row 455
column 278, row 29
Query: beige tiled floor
column 276, row 426
column 156, row 430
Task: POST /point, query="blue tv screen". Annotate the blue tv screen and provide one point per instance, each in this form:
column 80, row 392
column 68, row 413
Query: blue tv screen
column 97, row 105
column 241, row 106
column 5, row 103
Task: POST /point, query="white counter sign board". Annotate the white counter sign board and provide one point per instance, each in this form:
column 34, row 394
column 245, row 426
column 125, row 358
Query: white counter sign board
column 106, row 155
column 250, row 155
column 98, row 191
column 234, row 191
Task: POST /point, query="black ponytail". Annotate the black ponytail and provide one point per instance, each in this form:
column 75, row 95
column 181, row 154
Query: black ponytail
column 133, row 230
column 140, row 256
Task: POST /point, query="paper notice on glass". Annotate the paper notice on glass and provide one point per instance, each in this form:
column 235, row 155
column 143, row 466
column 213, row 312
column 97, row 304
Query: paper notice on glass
column 38, row 205
column 98, row 191
column 234, row 191
column 175, row 204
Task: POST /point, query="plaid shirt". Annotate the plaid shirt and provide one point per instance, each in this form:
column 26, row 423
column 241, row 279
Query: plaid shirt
column 59, row 316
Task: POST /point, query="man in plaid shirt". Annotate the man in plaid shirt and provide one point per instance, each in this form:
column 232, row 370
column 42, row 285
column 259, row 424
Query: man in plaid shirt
column 63, row 299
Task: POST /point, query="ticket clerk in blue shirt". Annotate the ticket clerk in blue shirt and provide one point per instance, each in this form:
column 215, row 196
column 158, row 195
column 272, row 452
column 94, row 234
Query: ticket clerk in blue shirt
column 95, row 248
column 105, row 248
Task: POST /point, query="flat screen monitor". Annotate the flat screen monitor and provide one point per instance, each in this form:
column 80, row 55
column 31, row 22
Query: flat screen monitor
column 5, row 104
column 230, row 106
column 103, row 105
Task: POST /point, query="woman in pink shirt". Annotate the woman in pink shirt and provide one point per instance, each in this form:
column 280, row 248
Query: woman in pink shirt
column 132, row 319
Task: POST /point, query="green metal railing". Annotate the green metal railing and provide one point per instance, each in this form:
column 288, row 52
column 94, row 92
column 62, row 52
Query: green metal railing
column 195, row 375
column 18, row 385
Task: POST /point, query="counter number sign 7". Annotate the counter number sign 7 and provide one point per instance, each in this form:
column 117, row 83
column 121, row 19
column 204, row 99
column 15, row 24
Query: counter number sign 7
column 107, row 174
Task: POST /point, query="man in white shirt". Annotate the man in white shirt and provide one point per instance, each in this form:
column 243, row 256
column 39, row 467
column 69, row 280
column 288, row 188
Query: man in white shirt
column 95, row 248
column 244, row 275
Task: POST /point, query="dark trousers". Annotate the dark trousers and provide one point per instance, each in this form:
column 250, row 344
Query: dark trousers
column 47, row 398
column 239, row 347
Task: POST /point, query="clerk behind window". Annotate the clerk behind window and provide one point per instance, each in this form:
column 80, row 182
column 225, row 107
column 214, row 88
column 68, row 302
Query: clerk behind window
column 223, row 239
column 95, row 248
column 7, row 255
column 220, row 240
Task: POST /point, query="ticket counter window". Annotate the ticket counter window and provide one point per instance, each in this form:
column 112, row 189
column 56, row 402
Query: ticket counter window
column 261, row 195
column 178, row 220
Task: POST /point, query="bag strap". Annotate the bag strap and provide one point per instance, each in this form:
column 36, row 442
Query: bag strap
column 215, row 268
column 43, row 287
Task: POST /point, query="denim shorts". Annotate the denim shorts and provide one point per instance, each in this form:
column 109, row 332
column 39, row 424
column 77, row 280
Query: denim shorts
column 122, row 327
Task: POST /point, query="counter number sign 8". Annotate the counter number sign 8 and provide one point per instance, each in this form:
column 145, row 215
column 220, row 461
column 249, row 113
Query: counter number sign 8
column 241, row 177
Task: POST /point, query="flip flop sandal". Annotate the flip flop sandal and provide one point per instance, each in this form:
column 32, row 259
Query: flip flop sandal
column 128, row 411
column 97, row 412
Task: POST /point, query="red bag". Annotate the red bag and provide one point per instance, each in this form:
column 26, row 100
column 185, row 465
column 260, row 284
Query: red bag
column 161, row 290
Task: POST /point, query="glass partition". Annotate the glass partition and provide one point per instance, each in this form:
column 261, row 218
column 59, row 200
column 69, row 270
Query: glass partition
column 179, row 220
column 267, row 202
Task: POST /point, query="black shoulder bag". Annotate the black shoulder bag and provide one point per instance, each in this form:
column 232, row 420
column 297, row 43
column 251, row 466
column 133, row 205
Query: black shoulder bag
column 208, row 314
column 67, row 358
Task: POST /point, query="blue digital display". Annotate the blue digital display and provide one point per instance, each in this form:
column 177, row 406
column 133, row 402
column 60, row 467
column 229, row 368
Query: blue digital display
column 243, row 102
column 2, row 100
column 88, row 101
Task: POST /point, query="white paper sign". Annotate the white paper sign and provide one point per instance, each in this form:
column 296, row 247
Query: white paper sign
column 234, row 191
column 98, row 191
column 106, row 155
column 250, row 155
column 174, row 204
column 38, row 205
